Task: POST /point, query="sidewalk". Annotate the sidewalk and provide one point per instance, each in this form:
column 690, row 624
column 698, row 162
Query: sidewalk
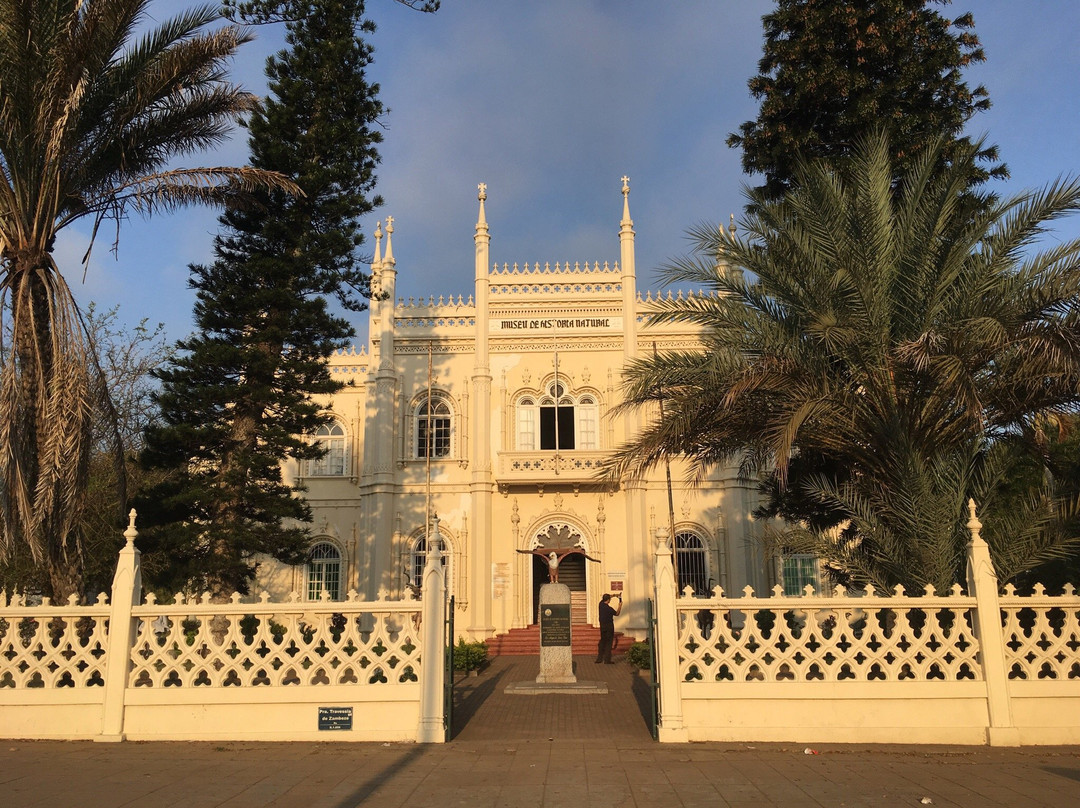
column 577, row 751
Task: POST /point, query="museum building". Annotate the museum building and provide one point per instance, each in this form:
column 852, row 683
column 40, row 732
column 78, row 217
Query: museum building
column 493, row 411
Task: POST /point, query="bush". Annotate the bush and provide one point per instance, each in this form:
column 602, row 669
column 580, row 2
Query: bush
column 469, row 656
column 639, row 655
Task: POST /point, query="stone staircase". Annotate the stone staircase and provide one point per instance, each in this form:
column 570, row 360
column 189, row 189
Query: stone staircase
column 526, row 641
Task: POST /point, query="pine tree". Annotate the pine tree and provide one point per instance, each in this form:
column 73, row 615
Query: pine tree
column 832, row 71
column 238, row 396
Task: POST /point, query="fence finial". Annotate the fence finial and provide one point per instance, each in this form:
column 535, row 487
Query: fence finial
column 662, row 546
column 973, row 523
column 434, row 551
column 131, row 533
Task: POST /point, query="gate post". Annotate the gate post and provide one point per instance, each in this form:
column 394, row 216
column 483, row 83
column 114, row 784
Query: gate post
column 982, row 584
column 433, row 659
column 667, row 645
column 126, row 593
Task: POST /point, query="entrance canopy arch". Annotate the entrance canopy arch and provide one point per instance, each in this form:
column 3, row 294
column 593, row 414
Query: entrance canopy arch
column 557, row 532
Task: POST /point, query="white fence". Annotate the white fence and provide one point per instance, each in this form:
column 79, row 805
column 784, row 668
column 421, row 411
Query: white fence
column 195, row 670
column 970, row 667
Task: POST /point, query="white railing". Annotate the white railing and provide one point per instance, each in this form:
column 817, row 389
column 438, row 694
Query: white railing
column 968, row 666
column 196, row 670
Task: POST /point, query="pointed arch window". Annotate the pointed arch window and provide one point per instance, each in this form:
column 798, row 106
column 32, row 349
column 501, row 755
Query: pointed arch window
column 324, row 572
column 588, row 416
column 418, row 560
column 692, row 561
column 526, row 424
column 557, row 420
column 434, row 428
column 331, row 437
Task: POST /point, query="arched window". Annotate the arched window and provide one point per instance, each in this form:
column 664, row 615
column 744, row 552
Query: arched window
column 691, row 562
column 526, row 425
column 556, row 419
column 332, row 464
column 418, row 560
column 559, row 419
column 434, row 427
column 324, row 571
column 587, row 417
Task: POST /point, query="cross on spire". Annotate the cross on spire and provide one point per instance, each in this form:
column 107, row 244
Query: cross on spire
column 482, row 189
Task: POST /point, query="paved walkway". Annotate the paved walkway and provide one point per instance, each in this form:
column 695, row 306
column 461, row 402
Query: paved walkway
column 534, row 751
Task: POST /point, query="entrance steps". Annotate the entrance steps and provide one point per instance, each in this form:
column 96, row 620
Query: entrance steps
column 526, row 641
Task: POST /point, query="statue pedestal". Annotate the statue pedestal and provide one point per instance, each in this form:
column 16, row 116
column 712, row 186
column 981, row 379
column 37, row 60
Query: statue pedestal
column 556, row 654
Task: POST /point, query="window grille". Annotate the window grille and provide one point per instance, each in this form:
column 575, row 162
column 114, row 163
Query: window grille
column 691, row 559
column 324, row 572
column 433, row 428
column 799, row 571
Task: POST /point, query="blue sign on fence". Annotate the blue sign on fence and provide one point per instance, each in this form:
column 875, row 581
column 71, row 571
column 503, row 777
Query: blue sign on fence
column 335, row 718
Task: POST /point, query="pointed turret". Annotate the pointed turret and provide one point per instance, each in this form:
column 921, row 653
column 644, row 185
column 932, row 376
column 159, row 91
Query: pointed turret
column 389, row 259
column 480, row 461
column 629, row 274
column 388, row 290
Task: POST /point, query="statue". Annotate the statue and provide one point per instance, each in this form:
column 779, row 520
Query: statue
column 554, row 557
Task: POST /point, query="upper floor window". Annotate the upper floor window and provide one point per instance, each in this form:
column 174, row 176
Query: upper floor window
column 324, row 572
column 332, row 464
column 557, row 420
column 691, row 562
column 433, row 427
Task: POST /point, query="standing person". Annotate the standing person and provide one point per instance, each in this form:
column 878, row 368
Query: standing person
column 607, row 628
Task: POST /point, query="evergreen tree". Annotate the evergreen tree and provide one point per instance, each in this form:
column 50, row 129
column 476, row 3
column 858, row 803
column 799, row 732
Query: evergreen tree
column 832, row 71
column 237, row 398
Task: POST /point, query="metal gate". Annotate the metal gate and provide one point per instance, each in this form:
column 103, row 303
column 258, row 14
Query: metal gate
column 654, row 675
column 448, row 682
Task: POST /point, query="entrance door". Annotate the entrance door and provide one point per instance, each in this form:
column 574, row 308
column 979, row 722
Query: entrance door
column 571, row 573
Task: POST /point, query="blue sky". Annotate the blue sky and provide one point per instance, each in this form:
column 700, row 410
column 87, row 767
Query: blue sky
column 550, row 104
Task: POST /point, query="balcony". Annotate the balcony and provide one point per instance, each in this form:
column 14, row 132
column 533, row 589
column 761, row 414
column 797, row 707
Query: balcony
column 567, row 466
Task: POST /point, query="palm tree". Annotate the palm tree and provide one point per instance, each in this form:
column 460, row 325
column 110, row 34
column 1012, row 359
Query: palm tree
column 90, row 124
column 899, row 334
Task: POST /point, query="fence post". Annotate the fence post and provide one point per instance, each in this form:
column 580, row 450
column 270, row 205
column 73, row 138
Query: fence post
column 126, row 593
column 432, row 662
column 667, row 644
column 982, row 583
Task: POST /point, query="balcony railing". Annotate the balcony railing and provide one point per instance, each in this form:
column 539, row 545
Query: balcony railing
column 548, row 466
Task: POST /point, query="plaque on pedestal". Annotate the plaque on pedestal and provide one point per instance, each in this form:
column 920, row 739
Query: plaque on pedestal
column 556, row 654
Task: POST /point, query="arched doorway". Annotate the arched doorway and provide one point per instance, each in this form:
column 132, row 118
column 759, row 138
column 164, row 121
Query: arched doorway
column 572, row 569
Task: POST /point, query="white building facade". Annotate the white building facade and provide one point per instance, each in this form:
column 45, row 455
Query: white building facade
column 492, row 408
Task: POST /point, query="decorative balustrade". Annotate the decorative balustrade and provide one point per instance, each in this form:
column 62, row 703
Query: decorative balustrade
column 864, row 637
column 969, row 666
column 1042, row 634
column 549, row 466
column 196, row 670
column 52, row 646
column 275, row 644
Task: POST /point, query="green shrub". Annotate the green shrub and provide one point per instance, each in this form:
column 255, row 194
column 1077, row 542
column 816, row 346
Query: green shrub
column 469, row 656
column 639, row 655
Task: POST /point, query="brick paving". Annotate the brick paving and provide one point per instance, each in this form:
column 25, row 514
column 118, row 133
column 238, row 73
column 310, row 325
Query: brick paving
column 485, row 713
column 534, row 751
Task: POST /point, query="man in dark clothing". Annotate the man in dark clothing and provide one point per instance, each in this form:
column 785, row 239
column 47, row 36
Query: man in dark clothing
column 607, row 628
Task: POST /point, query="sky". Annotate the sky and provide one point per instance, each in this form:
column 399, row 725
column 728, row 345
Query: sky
column 549, row 104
